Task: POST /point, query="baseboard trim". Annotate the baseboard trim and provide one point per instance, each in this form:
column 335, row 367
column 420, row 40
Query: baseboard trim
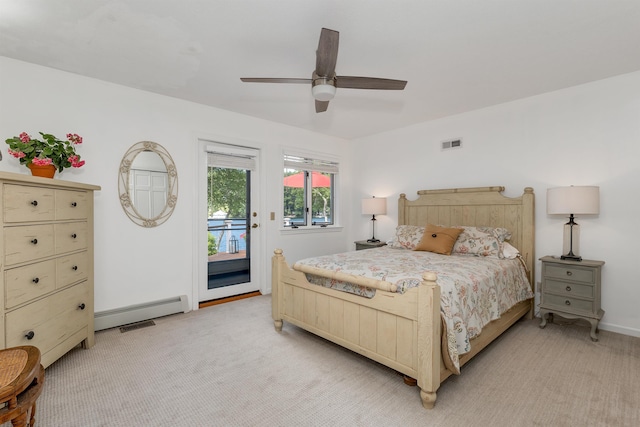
column 624, row 330
column 140, row 312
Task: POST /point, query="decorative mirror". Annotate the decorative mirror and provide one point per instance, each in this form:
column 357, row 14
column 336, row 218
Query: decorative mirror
column 148, row 184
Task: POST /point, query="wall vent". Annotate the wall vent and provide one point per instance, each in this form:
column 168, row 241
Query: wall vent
column 452, row 143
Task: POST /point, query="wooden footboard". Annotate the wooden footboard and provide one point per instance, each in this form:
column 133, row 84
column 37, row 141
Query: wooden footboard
column 401, row 331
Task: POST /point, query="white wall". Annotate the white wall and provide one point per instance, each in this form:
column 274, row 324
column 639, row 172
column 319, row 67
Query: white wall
column 585, row 135
column 133, row 264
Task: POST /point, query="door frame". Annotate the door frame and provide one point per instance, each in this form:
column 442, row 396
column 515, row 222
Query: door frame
column 200, row 258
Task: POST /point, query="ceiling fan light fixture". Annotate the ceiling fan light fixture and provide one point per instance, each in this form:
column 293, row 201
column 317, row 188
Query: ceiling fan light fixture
column 323, row 92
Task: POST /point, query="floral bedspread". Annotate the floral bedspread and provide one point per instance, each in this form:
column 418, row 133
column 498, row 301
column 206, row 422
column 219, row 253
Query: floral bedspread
column 474, row 290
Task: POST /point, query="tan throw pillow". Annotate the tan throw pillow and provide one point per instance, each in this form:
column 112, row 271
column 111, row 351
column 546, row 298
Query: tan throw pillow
column 439, row 240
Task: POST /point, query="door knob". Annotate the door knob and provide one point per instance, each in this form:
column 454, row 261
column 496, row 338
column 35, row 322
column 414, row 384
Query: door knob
column 255, row 226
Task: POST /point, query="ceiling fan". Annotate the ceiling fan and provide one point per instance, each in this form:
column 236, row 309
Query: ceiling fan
column 324, row 80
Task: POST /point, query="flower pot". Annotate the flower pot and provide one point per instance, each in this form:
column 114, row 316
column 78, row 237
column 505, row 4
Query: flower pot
column 46, row 171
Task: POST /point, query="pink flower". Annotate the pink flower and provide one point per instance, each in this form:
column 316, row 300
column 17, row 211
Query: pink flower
column 76, row 162
column 24, row 137
column 41, row 162
column 75, row 138
column 16, row 154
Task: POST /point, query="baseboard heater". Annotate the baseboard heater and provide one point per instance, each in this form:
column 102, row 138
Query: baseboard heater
column 140, row 312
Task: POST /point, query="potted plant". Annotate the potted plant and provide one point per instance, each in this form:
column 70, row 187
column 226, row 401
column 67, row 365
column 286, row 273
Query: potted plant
column 43, row 157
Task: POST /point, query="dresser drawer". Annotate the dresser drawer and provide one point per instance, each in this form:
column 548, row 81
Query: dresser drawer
column 26, row 204
column 575, row 274
column 71, row 204
column 569, row 289
column 71, row 269
column 70, row 236
column 51, row 320
column 568, row 304
column 23, row 284
column 31, row 242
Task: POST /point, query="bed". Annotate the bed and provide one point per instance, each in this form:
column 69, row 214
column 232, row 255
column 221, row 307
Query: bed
column 404, row 331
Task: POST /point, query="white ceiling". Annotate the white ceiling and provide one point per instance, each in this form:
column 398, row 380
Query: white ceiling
column 457, row 55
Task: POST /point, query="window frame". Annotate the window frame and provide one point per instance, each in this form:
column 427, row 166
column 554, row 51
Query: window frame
column 309, row 162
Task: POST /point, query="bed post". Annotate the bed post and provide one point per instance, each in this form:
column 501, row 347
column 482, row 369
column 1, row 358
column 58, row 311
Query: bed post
column 528, row 239
column 276, row 313
column 429, row 352
column 402, row 201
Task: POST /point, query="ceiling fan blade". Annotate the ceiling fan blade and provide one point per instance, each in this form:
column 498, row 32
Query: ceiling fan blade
column 351, row 82
column 327, row 53
column 273, row 80
column 321, row 106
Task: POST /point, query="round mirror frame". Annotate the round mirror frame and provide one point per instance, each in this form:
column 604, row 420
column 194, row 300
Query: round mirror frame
column 123, row 184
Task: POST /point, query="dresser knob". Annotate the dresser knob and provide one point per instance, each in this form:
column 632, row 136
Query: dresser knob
column 34, row 203
column 567, row 302
column 568, row 288
column 73, row 236
column 569, row 273
column 34, row 241
column 81, row 306
column 74, row 268
column 29, row 335
column 74, row 204
column 35, row 280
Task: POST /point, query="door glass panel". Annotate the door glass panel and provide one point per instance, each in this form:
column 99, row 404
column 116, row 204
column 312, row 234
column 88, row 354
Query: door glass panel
column 229, row 235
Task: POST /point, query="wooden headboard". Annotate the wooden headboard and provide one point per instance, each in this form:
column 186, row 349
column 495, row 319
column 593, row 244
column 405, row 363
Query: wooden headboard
column 479, row 207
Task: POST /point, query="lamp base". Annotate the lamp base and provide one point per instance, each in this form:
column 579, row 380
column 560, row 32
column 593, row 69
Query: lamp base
column 373, row 240
column 571, row 257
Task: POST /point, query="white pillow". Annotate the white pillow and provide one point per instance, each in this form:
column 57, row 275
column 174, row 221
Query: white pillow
column 509, row 251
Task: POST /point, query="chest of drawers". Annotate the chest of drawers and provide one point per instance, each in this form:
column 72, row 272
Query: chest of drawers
column 571, row 289
column 47, row 264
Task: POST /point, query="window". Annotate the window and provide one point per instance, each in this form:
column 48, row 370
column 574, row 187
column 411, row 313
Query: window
column 309, row 189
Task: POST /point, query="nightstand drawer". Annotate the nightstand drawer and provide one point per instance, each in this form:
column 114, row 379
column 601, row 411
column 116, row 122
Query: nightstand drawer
column 568, row 304
column 575, row 274
column 569, row 289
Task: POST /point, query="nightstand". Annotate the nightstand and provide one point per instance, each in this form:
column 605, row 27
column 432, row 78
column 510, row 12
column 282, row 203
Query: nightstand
column 363, row 244
column 571, row 289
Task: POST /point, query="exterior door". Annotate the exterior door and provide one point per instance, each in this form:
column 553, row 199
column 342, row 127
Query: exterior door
column 232, row 222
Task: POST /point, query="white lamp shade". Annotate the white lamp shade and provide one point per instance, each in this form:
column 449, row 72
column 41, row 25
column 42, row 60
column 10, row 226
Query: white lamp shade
column 374, row 206
column 577, row 200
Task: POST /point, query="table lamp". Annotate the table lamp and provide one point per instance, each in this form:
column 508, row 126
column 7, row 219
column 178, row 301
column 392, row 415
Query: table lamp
column 374, row 206
column 573, row 200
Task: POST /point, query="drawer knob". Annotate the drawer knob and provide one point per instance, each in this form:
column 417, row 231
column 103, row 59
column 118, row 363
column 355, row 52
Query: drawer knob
column 82, row 306
column 569, row 273
column 34, row 203
column 74, row 268
column 29, row 335
column 34, row 241
column 73, row 236
column 35, row 280
column 568, row 288
column 567, row 302
column 74, row 204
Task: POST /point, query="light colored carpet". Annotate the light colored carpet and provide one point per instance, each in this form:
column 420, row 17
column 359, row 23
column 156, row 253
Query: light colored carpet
column 227, row 366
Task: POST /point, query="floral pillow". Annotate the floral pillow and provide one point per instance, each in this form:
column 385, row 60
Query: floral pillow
column 406, row 237
column 481, row 241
